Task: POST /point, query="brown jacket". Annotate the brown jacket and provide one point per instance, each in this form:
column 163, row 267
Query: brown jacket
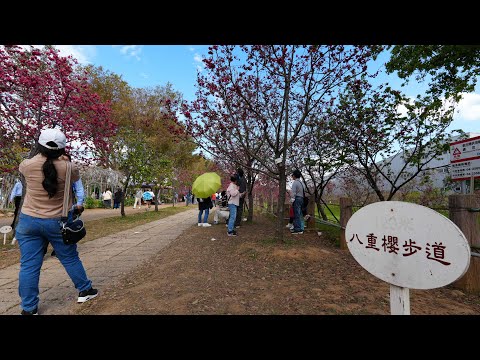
column 37, row 203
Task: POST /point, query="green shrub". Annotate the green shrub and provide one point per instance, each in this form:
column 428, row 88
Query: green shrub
column 91, row 203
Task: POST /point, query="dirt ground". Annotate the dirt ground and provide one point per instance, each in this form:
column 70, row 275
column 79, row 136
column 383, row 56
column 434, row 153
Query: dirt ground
column 206, row 272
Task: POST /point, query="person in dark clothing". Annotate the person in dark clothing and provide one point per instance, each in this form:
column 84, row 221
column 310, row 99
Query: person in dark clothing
column 242, row 188
column 16, row 197
column 117, row 199
column 204, row 204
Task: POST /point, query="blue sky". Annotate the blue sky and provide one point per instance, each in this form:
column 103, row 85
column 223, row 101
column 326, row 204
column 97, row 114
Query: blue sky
column 152, row 65
column 145, row 65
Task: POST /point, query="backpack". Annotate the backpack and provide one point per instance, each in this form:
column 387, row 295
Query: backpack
column 305, row 203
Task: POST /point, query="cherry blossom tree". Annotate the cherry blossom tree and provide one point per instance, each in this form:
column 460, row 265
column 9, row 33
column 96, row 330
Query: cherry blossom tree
column 274, row 90
column 319, row 156
column 41, row 89
column 376, row 131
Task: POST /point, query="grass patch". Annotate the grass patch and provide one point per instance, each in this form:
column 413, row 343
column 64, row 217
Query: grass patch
column 271, row 240
column 331, row 233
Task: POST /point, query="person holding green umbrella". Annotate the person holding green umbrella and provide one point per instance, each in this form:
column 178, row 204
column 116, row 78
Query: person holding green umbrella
column 204, row 204
column 203, row 188
column 206, row 184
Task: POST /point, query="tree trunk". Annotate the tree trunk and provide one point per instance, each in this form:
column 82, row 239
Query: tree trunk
column 311, row 223
column 346, row 211
column 250, row 206
column 122, row 202
column 321, row 211
column 158, row 196
column 281, row 200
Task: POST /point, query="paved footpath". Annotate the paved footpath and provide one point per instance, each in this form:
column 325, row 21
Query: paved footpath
column 105, row 259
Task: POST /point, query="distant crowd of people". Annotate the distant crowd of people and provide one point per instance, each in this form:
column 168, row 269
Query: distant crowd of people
column 229, row 205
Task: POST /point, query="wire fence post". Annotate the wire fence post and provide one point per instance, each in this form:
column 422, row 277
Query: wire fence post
column 311, row 211
column 460, row 212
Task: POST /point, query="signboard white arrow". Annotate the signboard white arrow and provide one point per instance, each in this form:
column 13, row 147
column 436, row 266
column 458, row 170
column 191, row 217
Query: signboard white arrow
column 407, row 245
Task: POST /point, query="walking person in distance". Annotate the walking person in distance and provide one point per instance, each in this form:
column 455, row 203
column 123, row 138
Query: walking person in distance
column 16, row 197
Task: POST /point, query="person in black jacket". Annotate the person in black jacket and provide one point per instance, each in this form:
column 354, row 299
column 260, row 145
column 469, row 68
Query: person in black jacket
column 117, row 199
column 242, row 188
column 204, row 204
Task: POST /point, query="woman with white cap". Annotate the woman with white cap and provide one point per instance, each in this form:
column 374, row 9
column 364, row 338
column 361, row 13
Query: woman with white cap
column 39, row 221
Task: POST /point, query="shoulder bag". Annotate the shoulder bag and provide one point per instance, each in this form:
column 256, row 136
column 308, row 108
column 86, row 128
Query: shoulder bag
column 73, row 229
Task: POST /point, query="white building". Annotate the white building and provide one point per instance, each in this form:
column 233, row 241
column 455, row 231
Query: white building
column 437, row 171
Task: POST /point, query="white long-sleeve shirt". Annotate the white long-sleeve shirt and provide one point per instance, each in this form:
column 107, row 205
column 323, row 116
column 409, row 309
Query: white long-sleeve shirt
column 233, row 194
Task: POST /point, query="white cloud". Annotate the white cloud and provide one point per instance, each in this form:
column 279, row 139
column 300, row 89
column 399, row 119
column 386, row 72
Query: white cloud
column 469, row 107
column 198, row 62
column 192, row 49
column 131, row 51
column 143, row 75
column 197, row 58
column 83, row 53
column 402, row 109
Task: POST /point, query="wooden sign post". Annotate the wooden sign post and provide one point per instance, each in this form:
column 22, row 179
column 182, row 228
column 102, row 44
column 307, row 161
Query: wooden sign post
column 409, row 246
column 5, row 230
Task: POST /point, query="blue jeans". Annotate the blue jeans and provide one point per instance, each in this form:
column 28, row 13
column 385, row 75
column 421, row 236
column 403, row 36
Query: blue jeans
column 233, row 215
column 32, row 235
column 297, row 212
column 205, row 218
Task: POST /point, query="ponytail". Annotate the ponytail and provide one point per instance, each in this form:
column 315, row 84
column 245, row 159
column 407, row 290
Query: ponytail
column 50, row 181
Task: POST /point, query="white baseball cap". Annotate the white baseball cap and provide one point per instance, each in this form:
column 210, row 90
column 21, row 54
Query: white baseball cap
column 52, row 135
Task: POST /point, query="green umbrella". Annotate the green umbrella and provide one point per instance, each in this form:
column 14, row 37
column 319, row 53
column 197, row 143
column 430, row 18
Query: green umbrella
column 206, row 184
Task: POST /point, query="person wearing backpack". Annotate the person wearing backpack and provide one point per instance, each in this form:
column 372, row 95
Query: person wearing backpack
column 296, row 198
column 148, row 197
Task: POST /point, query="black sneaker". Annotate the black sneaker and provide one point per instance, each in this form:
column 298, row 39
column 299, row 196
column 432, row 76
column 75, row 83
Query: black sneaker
column 233, row 233
column 296, row 232
column 87, row 295
column 33, row 312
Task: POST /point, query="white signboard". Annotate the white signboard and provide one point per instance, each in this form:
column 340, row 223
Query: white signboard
column 465, row 169
column 407, row 245
column 465, row 149
column 5, row 230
